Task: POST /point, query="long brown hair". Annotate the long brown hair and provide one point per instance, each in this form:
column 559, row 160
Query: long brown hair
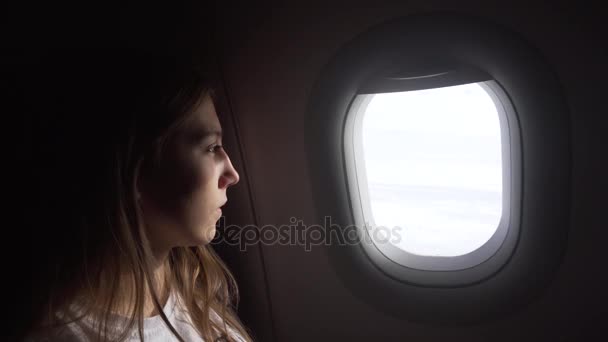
column 106, row 113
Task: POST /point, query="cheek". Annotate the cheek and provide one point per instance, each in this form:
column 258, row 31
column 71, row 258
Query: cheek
column 180, row 177
column 200, row 187
column 188, row 191
column 198, row 214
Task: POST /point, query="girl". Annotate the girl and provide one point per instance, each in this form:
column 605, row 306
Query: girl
column 130, row 176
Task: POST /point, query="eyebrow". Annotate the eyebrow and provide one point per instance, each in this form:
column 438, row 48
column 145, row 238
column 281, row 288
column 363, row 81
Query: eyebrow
column 217, row 133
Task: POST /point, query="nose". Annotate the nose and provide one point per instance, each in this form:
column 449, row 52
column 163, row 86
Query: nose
column 229, row 176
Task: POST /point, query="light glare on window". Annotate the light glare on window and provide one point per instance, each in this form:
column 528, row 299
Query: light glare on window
column 434, row 167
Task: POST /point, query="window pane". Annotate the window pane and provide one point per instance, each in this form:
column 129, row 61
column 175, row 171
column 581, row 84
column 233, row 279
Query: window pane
column 434, row 167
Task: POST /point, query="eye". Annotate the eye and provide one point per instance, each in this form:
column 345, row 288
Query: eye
column 214, row 148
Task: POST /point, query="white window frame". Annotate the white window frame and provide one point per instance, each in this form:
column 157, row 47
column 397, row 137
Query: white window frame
column 357, row 182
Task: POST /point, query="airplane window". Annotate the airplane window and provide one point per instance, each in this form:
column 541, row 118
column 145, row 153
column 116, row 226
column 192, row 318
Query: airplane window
column 433, row 165
column 429, row 150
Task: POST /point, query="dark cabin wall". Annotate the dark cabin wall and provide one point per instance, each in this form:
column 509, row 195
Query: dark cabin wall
column 272, row 54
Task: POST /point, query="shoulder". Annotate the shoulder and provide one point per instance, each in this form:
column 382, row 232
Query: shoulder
column 183, row 317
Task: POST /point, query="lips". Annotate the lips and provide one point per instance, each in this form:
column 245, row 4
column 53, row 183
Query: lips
column 219, row 209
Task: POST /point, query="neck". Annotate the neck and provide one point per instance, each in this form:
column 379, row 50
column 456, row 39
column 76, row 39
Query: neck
column 160, row 271
column 160, row 283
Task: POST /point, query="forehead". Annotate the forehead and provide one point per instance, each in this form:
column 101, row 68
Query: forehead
column 204, row 115
column 203, row 120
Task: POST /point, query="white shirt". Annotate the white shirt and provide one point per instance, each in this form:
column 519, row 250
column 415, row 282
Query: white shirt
column 154, row 328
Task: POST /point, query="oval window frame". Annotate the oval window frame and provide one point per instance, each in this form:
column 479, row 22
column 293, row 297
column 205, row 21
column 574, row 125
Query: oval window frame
column 495, row 251
column 536, row 95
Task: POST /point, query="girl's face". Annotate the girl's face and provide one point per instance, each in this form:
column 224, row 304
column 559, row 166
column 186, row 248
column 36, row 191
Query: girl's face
column 182, row 195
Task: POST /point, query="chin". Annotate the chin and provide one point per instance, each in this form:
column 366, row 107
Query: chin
column 205, row 235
